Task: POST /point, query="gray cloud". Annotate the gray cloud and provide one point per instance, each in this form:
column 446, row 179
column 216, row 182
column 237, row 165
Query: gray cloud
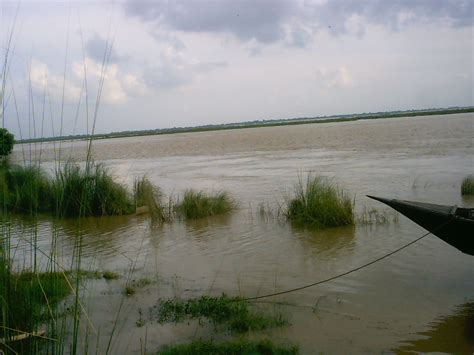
column 396, row 14
column 272, row 20
column 205, row 67
column 247, row 19
column 171, row 74
column 166, row 76
column 95, row 48
column 299, row 36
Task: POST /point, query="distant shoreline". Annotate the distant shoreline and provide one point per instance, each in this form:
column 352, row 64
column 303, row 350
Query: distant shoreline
column 256, row 124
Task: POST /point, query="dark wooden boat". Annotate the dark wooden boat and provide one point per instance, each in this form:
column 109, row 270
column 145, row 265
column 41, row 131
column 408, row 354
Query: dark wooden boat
column 454, row 225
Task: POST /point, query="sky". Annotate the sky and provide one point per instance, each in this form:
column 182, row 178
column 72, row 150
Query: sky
column 195, row 62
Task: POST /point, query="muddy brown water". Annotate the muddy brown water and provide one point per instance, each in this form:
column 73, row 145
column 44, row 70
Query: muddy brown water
column 400, row 304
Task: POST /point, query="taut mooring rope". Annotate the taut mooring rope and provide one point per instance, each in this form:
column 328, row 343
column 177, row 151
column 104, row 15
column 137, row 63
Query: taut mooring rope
column 347, row 272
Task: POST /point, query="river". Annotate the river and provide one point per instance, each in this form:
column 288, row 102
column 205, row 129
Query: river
column 394, row 305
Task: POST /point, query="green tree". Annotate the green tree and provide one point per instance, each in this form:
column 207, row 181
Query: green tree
column 6, row 142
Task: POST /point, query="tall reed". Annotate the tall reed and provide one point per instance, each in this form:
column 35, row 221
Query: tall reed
column 29, row 296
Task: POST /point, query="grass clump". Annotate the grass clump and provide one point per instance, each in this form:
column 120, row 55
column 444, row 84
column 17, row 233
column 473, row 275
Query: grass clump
column 89, row 191
column 24, row 189
column 73, row 191
column 110, row 275
column 131, row 288
column 467, row 186
column 90, row 274
column 198, row 204
column 235, row 347
column 232, row 312
column 27, row 298
column 150, row 196
column 319, row 203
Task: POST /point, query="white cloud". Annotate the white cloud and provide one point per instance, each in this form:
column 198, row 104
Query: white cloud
column 41, row 78
column 334, row 78
column 118, row 86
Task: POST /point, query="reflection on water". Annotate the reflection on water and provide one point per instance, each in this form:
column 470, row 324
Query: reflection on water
column 332, row 242
column 205, row 227
column 448, row 334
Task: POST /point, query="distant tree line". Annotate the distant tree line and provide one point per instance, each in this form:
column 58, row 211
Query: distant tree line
column 259, row 123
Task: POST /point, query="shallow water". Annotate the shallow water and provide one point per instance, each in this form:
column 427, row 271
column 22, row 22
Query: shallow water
column 387, row 307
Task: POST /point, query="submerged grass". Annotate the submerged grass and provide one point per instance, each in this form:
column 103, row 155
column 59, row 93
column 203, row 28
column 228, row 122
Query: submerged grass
column 374, row 216
column 467, row 186
column 133, row 285
column 234, row 347
column 233, row 312
column 198, row 204
column 319, row 203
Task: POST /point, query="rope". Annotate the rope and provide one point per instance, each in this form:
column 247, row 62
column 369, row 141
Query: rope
column 347, row 272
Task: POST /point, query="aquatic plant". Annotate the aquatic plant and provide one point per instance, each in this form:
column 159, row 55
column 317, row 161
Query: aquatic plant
column 198, row 204
column 467, row 186
column 73, row 191
column 89, row 191
column 234, row 312
column 132, row 286
column 28, row 298
column 110, row 275
column 231, row 347
column 24, row 189
column 149, row 197
column 317, row 202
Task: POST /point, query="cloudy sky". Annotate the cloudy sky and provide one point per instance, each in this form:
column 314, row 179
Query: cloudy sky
column 194, row 62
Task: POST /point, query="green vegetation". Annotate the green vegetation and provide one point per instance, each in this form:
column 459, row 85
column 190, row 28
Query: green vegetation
column 89, row 274
column 319, row 203
column 110, row 275
column 131, row 287
column 198, row 204
column 129, row 290
column 233, row 312
column 235, row 347
column 89, row 191
column 27, row 299
column 467, row 187
column 6, row 143
column 24, row 189
column 150, row 196
column 74, row 191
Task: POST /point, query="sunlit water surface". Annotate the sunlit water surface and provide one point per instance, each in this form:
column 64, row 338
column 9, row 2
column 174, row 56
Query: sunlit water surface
column 401, row 303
